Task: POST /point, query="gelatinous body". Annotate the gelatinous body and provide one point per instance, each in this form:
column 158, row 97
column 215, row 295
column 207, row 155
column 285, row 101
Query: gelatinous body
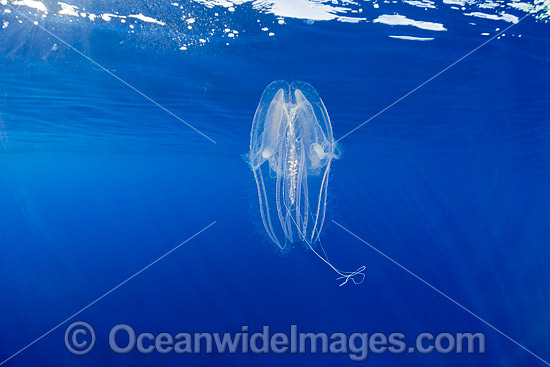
column 291, row 150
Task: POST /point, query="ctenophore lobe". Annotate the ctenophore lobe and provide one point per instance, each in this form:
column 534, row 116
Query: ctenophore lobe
column 291, row 149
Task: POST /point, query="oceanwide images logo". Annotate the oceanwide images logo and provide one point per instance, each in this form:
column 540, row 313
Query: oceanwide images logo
column 80, row 339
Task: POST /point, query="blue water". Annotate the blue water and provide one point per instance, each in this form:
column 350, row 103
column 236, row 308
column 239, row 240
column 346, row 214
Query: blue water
column 96, row 183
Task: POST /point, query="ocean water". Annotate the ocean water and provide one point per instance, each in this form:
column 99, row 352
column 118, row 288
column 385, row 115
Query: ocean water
column 101, row 175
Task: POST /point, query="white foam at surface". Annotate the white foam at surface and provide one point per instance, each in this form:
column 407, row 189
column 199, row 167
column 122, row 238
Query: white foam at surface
column 68, row 9
column 454, row 2
column 146, row 18
column 411, row 38
column 38, row 5
column 350, row 20
column 509, row 18
column 298, row 9
column 340, row 10
column 521, row 6
column 397, row 19
column 420, row 4
column 506, row 17
column 213, row 3
column 309, row 11
column 107, row 16
column 488, row 5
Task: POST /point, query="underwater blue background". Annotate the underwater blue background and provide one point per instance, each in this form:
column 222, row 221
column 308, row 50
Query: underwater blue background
column 96, row 183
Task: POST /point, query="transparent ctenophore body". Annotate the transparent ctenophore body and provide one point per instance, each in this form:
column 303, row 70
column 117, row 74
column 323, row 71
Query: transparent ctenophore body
column 291, row 149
